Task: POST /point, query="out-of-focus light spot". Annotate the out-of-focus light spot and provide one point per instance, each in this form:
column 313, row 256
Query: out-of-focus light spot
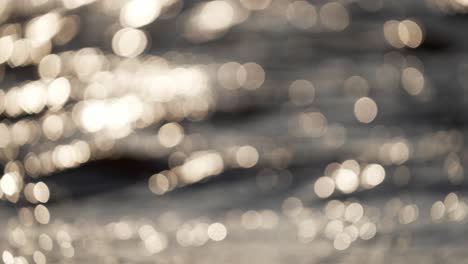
column 41, row 192
column 247, row 156
column 122, row 230
column 43, row 28
column 324, row 187
column 69, row 27
column 6, row 48
column 42, row 215
column 217, row 232
column 334, row 209
column 209, row 20
column 50, row 66
column 334, row 16
column 7, row 257
column 170, row 135
column 333, row 228
column 137, row 13
column 269, row 219
column 352, row 231
column 58, row 92
column 302, row 14
column 354, row 212
column 129, row 42
column 8, row 184
column 159, row 184
column 412, row 80
column 390, row 30
column 251, row 220
column 356, row 86
column 335, row 136
column 39, row 257
column 313, row 124
column 292, row 206
column 454, row 168
column 216, row 15
column 352, row 165
column 93, row 116
column 408, row 214
column 53, row 127
column 201, row 165
column 367, row 231
column 399, row 152
column 372, row 175
column 451, row 202
column 45, row 242
column 307, row 230
column 342, row 241
column 228, row 75
column 252, row 77
column 365, row 110
column 437, row 211
column 33, row 97
column 301, row 92
column 346, row 180
column 154, row 241
column 410, row 33
column 72, row 4
column 255, row 4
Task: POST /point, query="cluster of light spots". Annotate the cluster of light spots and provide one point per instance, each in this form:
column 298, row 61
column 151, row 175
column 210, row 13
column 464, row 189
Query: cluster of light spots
column 43, row 28
column 397, row 151
column 406, row 33
column 209, row 20
column 348, row 177
column 96, row 115
column 233, row 75
column 163, row 182
column 198, row 232
column 372, row 175
column 365, row 110
column 153, row 241
column 346, row 180
column 454, row 168
column 346, row 223
column 438, row 143
column 452, row 209
column 263, row 219
column 200, row 165
column 59, row 158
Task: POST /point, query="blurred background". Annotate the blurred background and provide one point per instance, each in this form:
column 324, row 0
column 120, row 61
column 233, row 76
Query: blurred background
column 233, row 131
